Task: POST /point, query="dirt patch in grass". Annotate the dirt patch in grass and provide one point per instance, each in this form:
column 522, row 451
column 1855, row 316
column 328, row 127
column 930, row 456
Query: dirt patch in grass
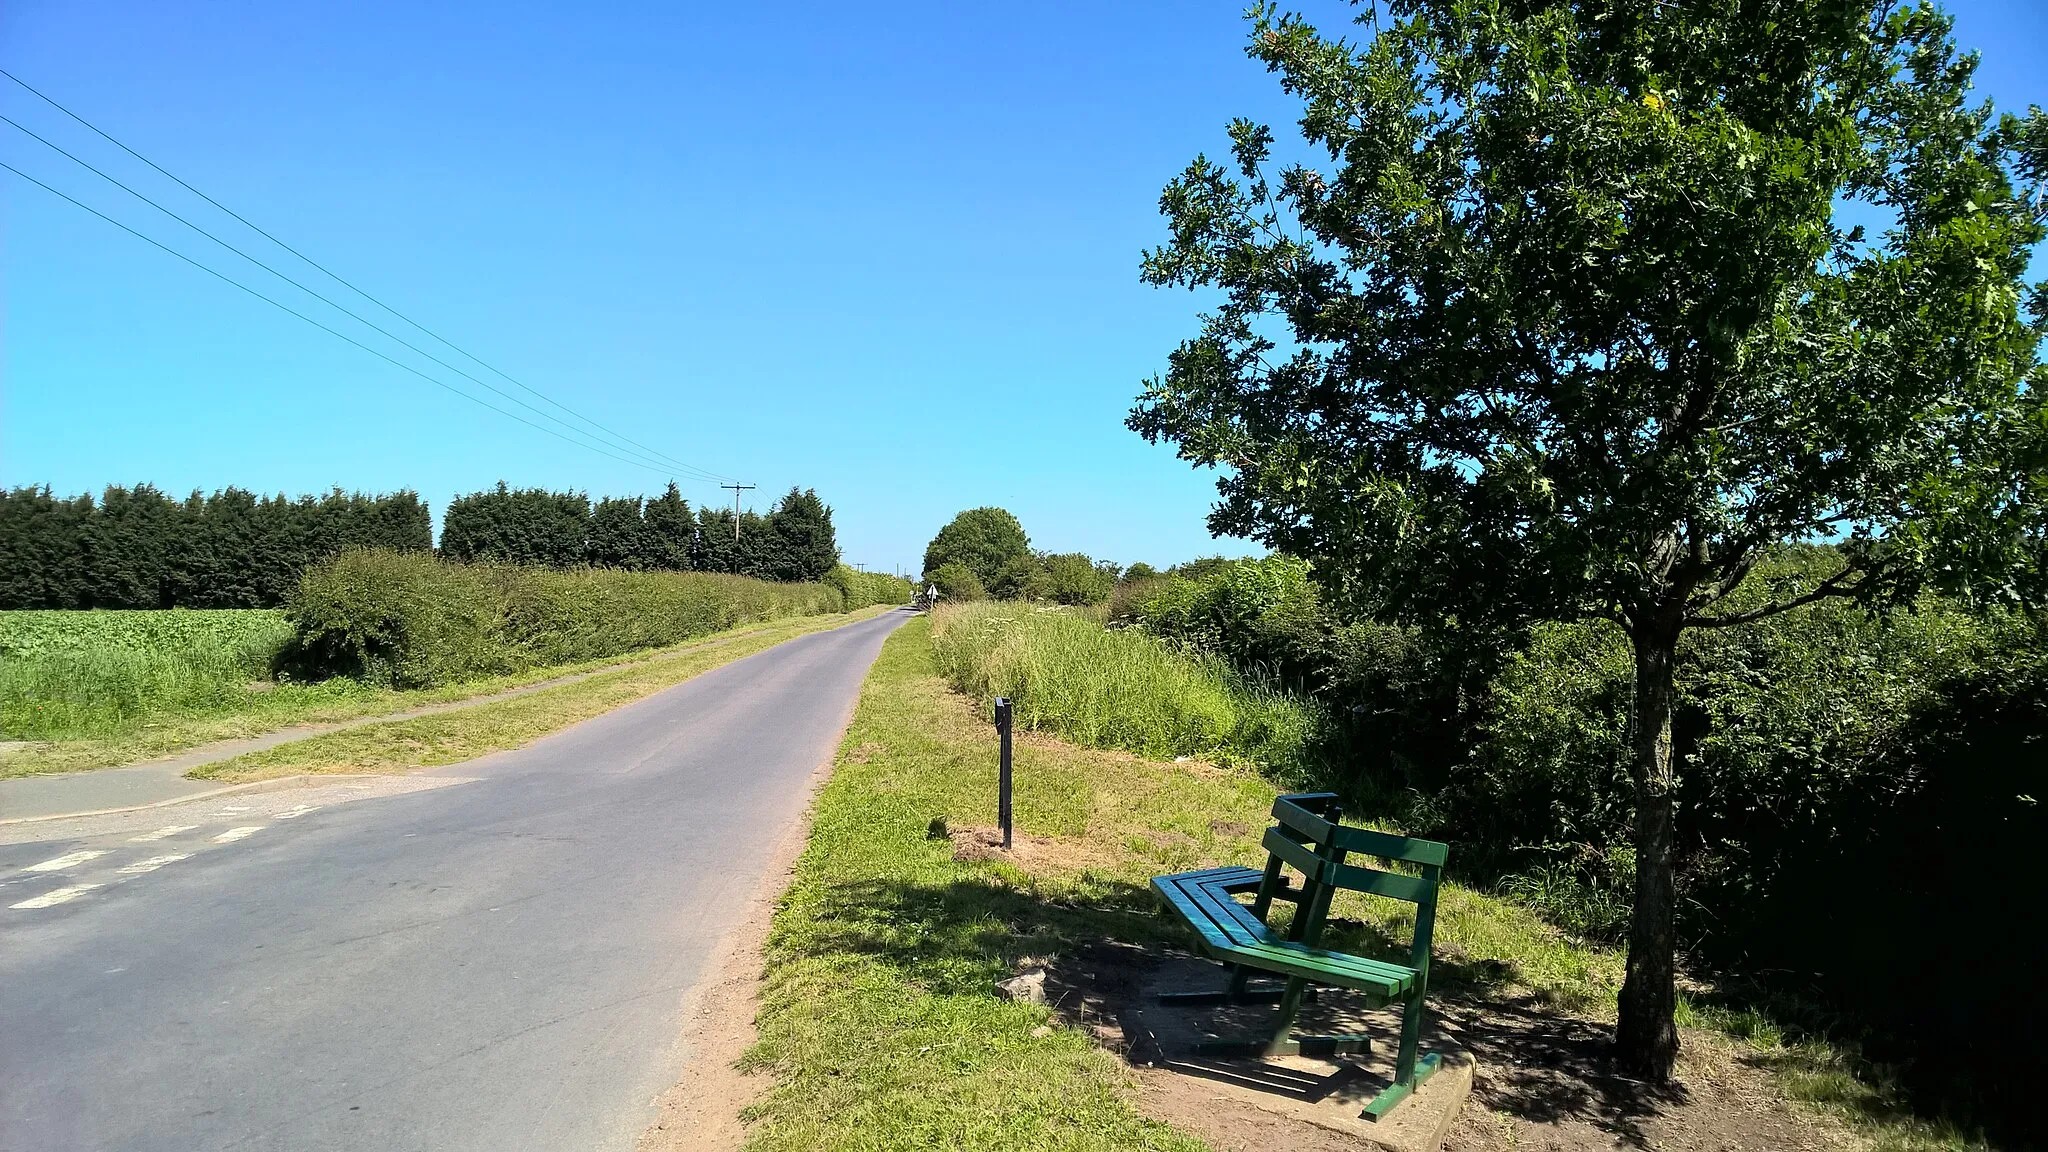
column 1545, row 1081
column 1544, row 1078
column 1031, row 853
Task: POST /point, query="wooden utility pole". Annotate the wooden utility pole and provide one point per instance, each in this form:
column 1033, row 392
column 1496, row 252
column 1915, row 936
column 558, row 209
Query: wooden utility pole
column 736, row 490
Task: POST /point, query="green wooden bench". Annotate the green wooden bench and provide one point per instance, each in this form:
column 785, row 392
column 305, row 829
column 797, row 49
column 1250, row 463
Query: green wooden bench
column 1308, row 839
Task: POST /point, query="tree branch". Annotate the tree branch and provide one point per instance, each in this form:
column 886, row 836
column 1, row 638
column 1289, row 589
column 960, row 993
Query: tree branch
column 1836, row 585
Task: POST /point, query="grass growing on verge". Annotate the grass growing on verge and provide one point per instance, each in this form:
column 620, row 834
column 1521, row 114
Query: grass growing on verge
column 81, row 674
column 1068, row 675
column 879, row 1015
column 463, row 734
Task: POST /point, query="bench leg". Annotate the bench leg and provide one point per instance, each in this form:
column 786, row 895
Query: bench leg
column 1411, row 1066
column 1283, row 1041
column 1240, row 983
column 1315, row 1046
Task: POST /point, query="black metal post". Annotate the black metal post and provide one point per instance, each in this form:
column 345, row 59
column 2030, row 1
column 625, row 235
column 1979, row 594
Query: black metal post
column 1003, row 722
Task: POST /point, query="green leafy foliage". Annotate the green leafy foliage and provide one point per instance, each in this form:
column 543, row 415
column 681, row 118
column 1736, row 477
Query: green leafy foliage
column 1070, row 578
column 1393, row 693
column 1575, row 328
column 618, row 535
column 860, row 589
column 984, row 540
column 517, row 526
column 1843, row 768
column 800, row 543
column 138, row 548
column 795, row 541
column 956, row 583
column 65, row 674
column 412, row 621
column 668, row 532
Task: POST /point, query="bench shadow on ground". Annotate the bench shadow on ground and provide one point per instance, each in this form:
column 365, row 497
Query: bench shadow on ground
column 1105, row 948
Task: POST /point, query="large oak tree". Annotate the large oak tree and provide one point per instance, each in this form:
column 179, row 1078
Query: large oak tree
column 1574, row 308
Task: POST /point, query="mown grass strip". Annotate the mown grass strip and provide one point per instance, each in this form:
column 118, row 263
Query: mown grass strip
column 466, row 733
column 879, row 1015
column 880, row 1020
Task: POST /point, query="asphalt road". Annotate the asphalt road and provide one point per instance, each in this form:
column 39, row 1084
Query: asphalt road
column 494, row 957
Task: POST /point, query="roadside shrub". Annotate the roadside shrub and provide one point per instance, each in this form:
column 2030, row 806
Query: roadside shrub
column 414, row 621
column 1395, row 698
column 1070, row 578
column 1122, row 689
column 862, row 589
column 1015, row 577
column 957, row 583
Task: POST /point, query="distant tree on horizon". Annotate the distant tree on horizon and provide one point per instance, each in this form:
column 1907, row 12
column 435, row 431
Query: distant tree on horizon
column 983, row 540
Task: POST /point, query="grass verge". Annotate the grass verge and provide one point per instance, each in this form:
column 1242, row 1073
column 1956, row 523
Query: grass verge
column 463, row 734
column 879, row 1018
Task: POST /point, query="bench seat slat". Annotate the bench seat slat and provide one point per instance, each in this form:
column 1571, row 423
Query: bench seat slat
column 1367, row 970
column 1217, row 905
column 1230, row 933
column 1192, row 911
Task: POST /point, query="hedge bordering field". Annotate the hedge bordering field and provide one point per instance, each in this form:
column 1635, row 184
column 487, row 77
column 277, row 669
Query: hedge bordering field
column 411, row 621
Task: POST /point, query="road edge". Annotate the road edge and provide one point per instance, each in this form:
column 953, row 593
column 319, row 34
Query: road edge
column 701, row 1112
column 299, row 733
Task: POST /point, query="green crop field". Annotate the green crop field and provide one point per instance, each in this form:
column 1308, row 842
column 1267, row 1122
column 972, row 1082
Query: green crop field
column 66, row 674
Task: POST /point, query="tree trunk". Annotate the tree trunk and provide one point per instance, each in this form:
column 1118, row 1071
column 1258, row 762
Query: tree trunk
column 1647, row 1039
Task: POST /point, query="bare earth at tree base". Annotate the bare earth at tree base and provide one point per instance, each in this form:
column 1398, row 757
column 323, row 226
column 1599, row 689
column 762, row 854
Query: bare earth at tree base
column 1540, row 1079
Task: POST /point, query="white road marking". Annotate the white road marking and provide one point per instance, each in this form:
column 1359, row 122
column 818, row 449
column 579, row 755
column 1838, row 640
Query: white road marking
column 151, row 864
column 233, row 808
column 299, row 811
column 234, row 834
column 57, row 897
column 68, row 860
column 160, row 833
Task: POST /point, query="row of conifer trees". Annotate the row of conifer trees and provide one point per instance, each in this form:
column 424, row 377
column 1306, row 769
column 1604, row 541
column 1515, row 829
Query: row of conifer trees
column 140, row 548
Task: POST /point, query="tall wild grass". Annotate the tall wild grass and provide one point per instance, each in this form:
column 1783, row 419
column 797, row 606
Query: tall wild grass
column 65, row 674
column 1069, row 675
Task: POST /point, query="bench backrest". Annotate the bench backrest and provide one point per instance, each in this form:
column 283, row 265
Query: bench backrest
column 1308, row 836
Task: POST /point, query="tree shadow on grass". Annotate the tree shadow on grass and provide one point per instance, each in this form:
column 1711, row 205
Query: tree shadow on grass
column 1101, row 947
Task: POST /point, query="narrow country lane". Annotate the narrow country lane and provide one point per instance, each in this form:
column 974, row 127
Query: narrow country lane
column 490, row 955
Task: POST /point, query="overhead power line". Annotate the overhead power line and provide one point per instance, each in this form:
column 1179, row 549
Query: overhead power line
column 324, row 328
column 644, row 458
column 652, row 453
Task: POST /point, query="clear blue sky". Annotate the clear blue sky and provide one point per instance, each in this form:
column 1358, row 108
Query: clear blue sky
column 887, row 251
